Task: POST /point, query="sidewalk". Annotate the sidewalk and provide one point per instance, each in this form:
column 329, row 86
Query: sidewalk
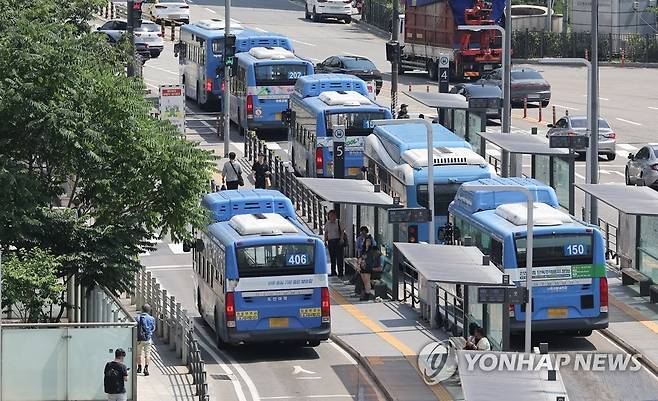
column 633, row 321
column 168, row 379
column 386, row 338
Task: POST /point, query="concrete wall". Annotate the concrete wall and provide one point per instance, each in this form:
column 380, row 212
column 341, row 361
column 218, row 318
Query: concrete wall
column 533, row 18
column 615, row 16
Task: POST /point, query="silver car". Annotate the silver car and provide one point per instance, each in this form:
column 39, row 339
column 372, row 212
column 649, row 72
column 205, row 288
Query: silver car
column 577, row 125
column 642, row 168
column 148, row 35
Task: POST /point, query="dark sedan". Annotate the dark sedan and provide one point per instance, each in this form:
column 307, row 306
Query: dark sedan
column 354, row 65
column 526, row 84
column 490, row 97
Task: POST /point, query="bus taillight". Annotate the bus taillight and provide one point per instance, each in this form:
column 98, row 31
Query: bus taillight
column 603, row 291
column 250, row 106
column 325, row 305
column 230, row 309
column 209, row 85
column 412, row 234
column 511, row 310
column 319, row 161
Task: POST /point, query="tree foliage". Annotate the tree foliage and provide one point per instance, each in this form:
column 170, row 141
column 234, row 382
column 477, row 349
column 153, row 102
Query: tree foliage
column 30, row 284
column 76, row 134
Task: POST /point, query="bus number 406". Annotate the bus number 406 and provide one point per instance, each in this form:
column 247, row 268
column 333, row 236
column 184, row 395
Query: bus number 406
column 297, row 259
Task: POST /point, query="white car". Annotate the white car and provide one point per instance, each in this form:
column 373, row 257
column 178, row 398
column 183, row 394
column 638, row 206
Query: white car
column 320, row 9
column 148, row 35
column 168, row 10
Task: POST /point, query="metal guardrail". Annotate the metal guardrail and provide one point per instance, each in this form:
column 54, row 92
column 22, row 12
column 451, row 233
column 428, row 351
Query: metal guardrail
column 307, row 203
column 611, row 233
column 409, row 277
column 174, row 326
column 211, row 121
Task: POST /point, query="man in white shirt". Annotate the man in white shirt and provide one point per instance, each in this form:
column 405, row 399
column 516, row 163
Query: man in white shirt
column 232, row 172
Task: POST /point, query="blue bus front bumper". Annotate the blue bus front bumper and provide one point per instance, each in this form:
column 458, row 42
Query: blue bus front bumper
column 260, row 336
column 562, row 325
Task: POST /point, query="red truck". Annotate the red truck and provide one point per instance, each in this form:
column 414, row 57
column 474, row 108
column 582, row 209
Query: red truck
column 429, row 30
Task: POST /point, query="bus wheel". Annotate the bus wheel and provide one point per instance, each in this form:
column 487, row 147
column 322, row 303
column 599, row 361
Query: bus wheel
column 584, row 333
column 307, row 15
column 314, row 343
column 221, row 344
column 315, row 16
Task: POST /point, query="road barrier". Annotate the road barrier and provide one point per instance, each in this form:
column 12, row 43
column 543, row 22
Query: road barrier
column 554, row 116
column 540, row 112
column 173, row 326
column 307, row 203
column 525, row 107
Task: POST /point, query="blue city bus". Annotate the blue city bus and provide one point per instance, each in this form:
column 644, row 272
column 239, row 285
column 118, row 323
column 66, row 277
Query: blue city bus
column 260, row 274
column 570, row 289
column 396, row 158
column 263, row 81
column 319, row 103
column 200, row 57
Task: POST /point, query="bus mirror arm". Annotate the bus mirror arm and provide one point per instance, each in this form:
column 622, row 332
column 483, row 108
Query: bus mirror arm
column 197, row 244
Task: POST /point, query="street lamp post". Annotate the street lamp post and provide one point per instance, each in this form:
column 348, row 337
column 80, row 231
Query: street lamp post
column 430, row 161
column 592, row 168
column 529, row 244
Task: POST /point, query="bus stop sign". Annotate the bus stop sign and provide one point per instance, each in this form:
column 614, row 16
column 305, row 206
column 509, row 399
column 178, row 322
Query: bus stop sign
column 409, row 215
column 501, row 295
column 338, row 136
column 568, row 141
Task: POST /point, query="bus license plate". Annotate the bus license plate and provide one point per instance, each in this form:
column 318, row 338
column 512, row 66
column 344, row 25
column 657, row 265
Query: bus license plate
column 247, row 315
column 278, row 322
column 353, row 171
column 557, row 313
column 277, row 116
column 309, row 312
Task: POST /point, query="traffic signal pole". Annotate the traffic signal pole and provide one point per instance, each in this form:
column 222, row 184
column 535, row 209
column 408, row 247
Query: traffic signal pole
column 395, row 38
column 134, row 20
column 227, row 82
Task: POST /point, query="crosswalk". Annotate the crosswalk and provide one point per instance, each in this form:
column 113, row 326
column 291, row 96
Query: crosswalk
column 174, row 248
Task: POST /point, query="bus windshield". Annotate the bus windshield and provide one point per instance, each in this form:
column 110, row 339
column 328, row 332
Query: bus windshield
column 556, row 250
column 275, row 260
column 356, row 123
column 218, row 47
column 278, row 74
column 443, row 195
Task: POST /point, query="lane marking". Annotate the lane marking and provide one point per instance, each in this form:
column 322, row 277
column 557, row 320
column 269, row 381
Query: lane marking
column 161, row 69
column 245, row 377
column 296, row 397
column 632, row 312
column 602, row 98
column 626, row 352
column 177, row 248
column 653, row 108
column 259, row 29
column 627, row 121
column 606, row 172
column 210, row 10
column 237, row 386
column 580, row 176
column 565, row 107
column 168, row 267
column 620, row 174
column 309, row 378
column 303, row 43
column 626, row 146
column 345, row 353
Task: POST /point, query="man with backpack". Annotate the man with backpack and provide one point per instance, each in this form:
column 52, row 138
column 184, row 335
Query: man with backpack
column 145, row 330
column 115, row 377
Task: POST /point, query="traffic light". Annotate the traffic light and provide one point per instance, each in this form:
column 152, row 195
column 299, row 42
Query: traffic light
column 136, row 13
column 412, row 234
column 229, row 49
column 393, row 51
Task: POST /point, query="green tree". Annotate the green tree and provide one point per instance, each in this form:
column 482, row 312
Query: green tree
column 76, row 134
column 30, row 285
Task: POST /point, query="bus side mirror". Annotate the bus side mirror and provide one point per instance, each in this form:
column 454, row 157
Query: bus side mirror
column 631, row 156
column 187, row 246
column 199, row 245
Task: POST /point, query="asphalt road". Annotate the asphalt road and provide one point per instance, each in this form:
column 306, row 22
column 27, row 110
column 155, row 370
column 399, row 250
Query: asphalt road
column 627, row 101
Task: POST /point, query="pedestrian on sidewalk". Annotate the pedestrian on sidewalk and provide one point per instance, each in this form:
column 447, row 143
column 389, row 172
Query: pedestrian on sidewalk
column 261, row 171
column 145, row 330
column 480, row 341
column 232, row 173
column 115, row 377
column 371, row 265
column 334, row 239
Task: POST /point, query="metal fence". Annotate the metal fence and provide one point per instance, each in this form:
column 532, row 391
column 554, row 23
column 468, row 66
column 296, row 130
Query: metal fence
column 174, row 326
column 610, row 233
column 624, row 47
column 378, row 13
column 307, row 203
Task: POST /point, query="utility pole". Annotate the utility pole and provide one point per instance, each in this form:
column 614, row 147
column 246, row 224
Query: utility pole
column 130, row 29
column 514, row 165
column 549, row 24
column 227, row 81
column 395, row 38
column 593, row 154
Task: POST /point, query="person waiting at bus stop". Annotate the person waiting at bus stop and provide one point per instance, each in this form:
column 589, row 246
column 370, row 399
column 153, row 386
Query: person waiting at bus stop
column 479, row 342
column 371, row 264
column 334, row 239
column 261, row 171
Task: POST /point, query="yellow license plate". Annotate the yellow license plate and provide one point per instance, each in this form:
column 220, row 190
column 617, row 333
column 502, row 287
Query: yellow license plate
column 353, row 171
column 309, row 312
column 557, row 313
column 278, row 322
column 247, row 315
column 277, row 116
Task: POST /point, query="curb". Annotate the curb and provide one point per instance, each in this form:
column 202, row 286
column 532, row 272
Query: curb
column 372, row 29
column 650, row 365
column 366, row 365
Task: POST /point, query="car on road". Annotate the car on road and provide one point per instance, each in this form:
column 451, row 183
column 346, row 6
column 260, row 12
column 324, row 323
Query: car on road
column 113, row 38
column 353, row 65
column 577, row 125
column 491, row 96
column 526, row 84
column 642, row 167
column 317, row 10
column 147, row 35
column 168, row 11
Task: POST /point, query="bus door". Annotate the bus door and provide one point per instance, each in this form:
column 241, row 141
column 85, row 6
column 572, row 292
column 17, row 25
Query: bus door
column 281, row 286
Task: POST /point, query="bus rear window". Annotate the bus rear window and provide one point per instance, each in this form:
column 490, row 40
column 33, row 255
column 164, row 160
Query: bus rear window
column 556, row 250
column 356, row 123
column 278, row 74
column 276, row 260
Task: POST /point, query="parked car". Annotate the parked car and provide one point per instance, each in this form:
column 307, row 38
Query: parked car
column 317, row 10
column 167, row 10
column 492, row 94
column 148, row 34
column 114, row 37
column 577, row 125
column 354, row 65
column 526, row 84
column 642, row 167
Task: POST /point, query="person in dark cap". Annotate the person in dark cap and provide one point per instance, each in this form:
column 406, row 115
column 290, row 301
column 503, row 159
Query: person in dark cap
column 115, row 377
column 261, row 172
column 403, row 113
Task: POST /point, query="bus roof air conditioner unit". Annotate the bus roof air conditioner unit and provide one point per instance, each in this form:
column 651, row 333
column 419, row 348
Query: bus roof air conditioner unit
column 262, row 224
column 216, row 24
column 343, row 98
column 543, row 214
column 271, row 53
column 417, row 158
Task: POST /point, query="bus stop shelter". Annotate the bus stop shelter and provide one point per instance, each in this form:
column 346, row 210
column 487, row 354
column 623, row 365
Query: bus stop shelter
column 555, row 167
column 637, row 246
column 444, row 280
